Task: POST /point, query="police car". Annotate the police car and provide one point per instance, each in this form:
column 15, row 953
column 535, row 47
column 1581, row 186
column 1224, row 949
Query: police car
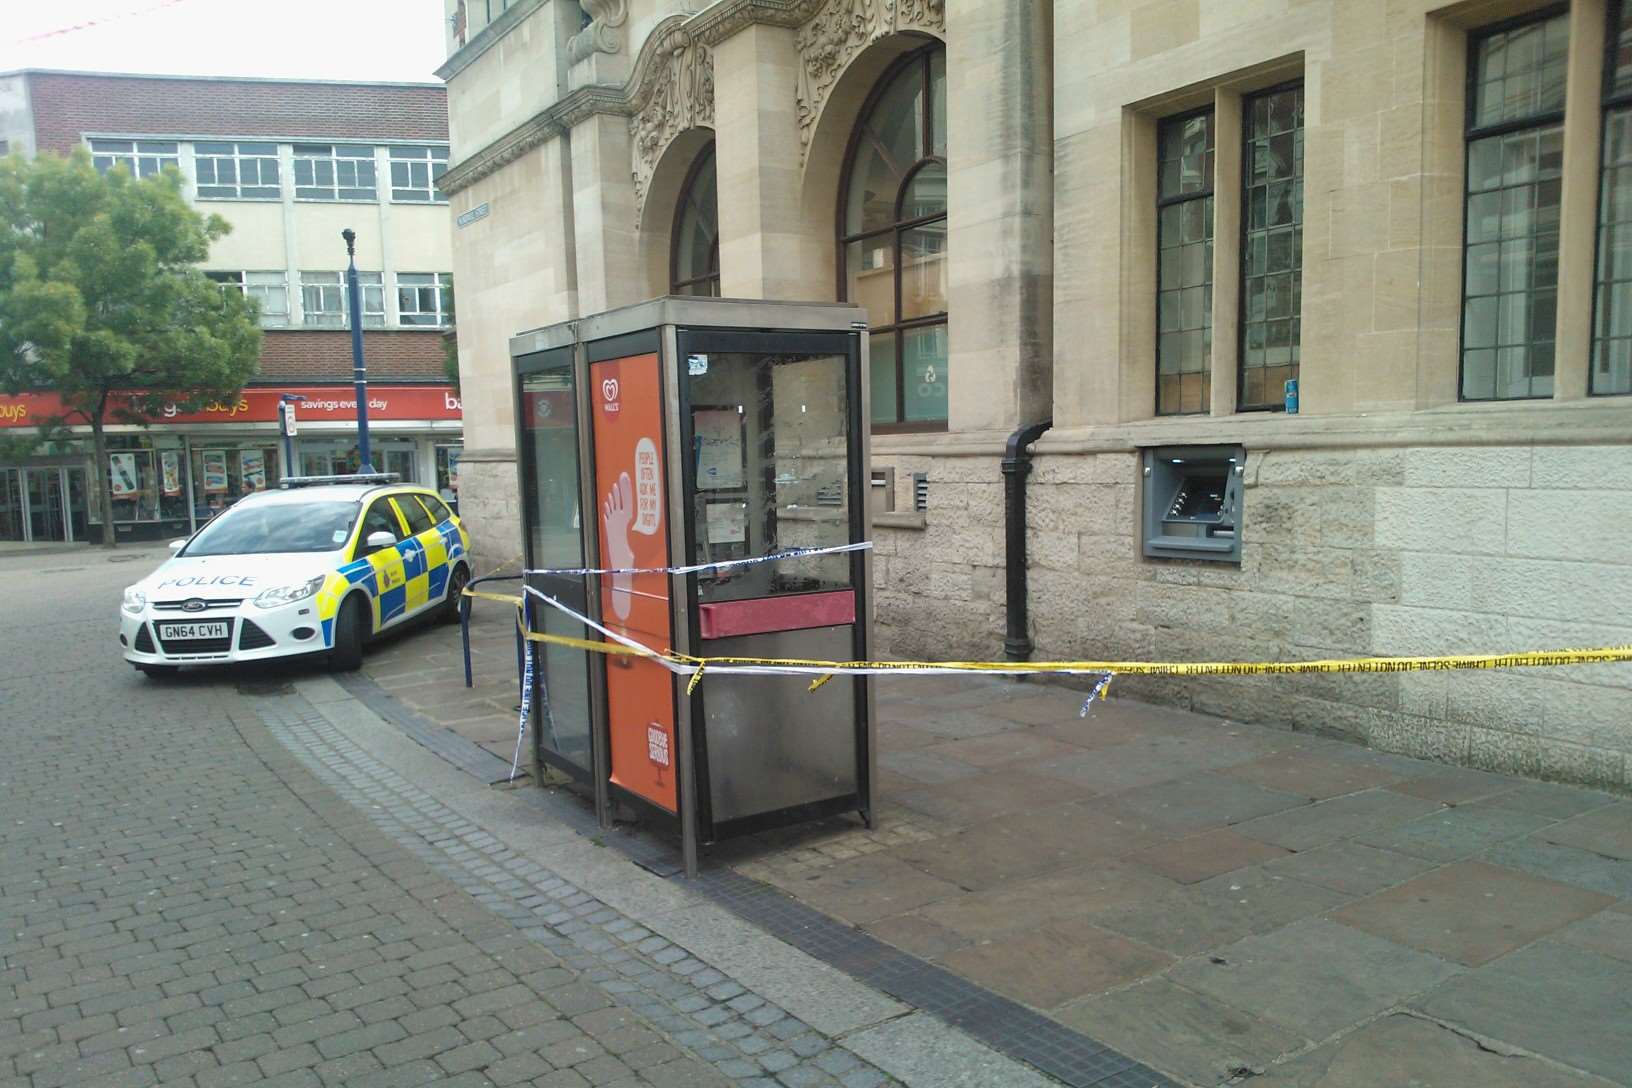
column 318, row 566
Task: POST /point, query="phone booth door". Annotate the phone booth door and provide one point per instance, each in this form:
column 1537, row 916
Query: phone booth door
column 549, row 476
column 771, row 466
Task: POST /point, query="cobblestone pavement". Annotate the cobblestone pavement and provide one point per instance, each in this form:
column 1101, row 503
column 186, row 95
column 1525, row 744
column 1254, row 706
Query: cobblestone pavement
column 204, row 882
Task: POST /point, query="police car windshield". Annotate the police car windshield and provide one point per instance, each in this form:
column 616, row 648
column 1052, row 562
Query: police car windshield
column 263, row 528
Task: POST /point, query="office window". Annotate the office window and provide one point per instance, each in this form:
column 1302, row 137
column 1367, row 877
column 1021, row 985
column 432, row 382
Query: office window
column 334, row 172
column 237, row 171
column 1272, row 247
column 1515, row 159
column 323, row 300
column 415, row 171
column 892, row 241
column 1612, row 311
column 270, row 291
column 1184, row 245
column 143, row 158
column 424, row 298
column 694, row 265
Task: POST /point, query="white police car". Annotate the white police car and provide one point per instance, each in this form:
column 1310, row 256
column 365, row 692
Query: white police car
column 318, row 566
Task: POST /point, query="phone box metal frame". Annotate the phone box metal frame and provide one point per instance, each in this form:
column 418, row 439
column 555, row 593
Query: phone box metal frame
column 749, row 752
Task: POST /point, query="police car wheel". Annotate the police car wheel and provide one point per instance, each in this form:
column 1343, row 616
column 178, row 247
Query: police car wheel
column 158, row 672
column 456, row 588
column 350, row 633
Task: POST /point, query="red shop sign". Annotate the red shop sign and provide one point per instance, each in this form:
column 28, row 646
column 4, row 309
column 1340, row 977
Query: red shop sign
column 260, row 405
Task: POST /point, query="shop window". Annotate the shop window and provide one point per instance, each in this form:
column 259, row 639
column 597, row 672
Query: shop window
column 269, row 290
column 447, row 472
column 323, row 300
column 334, row 172
column 1192, row 502
column 1184, row 252
column 424, row 298
column 1515, row 162
column 415, row 172
column 225, row 472
column 141, row 158
column 892, row 245
column 240, row 171
column 695, row 262
column 1272, row 247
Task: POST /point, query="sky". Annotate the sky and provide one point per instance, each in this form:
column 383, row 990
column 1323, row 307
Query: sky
column 399, row 40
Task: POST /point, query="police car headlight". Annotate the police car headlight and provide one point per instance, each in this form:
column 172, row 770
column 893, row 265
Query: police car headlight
column 279, row 596
column 135, row 600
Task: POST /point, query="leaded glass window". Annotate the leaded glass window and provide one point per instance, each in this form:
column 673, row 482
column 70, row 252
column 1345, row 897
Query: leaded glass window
column 1612, row 311
column 892, row 241
column 1184, row 246
column 695, row 264
column 1272, row 247
column 1515, row 159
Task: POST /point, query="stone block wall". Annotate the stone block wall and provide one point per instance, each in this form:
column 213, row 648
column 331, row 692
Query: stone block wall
column 1429, row 550
column 489, row 506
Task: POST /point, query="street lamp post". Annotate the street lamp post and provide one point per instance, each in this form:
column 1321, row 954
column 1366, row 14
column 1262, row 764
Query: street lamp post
column 359, row 370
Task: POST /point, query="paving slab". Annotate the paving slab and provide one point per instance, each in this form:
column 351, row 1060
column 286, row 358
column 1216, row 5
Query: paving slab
column 982, row 797
column 1002, row 748
column 1569, row 864
column 1606, row 831
column 1552, row 799
column 1024, row 845
column 1455, row 833
column 1056, row 963
column 1456, row 785
column 1565, row 1003
column 1313, row 774
column 1471, row 912
column 1403, row 1051
column 1208, row 854
column 1188, row 1034
column 1351, row 867
column 868, row 888
column 1314, row 977
column 1199, row 802
column 1220, row 911
column 1339, row 818
column 1079, row 893
column 1149, row 760
column 1608, row 933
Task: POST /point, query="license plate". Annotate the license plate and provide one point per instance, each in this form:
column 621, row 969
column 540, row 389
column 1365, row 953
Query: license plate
column 182, row 632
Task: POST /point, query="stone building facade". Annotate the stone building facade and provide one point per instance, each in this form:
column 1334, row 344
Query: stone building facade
column 1138, row 220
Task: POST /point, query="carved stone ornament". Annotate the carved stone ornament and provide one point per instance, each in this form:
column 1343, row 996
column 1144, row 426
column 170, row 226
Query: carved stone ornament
column 676, row 92
column 840, row 30
column 601, row 35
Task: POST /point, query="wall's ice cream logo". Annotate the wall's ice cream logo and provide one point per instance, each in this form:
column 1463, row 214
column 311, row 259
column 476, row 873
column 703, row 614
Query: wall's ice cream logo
column 609, row 394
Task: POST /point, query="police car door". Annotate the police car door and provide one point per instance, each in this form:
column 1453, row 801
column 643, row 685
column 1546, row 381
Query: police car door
column 417, row 557
column 391, row 593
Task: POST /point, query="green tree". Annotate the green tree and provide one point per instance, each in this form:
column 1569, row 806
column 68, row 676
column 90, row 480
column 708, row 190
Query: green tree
column 101, row 300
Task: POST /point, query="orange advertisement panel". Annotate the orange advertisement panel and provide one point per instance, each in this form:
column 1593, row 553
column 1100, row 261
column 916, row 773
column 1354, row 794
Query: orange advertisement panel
column 629, row 500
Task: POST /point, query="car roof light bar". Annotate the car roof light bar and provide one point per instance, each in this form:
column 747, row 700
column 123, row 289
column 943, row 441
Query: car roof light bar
column 289, row 482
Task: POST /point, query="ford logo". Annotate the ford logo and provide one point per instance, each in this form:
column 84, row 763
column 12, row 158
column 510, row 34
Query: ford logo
column 193, row 604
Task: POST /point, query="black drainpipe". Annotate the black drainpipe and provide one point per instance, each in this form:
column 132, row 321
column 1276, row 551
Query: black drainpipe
column 1016, row 467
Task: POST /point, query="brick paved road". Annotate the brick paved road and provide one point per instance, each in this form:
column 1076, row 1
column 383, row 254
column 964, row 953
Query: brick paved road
column 203, row 885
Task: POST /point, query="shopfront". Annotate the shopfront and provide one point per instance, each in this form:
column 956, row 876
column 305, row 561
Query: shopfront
column 168, row 478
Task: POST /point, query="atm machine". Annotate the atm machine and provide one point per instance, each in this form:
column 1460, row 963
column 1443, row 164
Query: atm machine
column 685, row 431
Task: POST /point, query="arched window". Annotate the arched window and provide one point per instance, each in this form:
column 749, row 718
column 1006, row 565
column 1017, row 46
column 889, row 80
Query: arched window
column 694, row 267
column 892, row 239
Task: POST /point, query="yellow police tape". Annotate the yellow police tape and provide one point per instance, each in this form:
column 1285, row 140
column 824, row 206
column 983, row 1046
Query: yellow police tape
column 1527, row 659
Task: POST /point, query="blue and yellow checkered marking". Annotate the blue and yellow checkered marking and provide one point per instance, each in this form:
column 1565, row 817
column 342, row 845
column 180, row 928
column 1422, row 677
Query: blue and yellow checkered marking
column 398, row 580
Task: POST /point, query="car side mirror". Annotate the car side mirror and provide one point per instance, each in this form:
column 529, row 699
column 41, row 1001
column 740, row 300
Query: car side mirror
column 378, row 540
column 177, row 545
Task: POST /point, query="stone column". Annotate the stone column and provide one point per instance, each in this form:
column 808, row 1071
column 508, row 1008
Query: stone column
column 1578, row 213
column 1000, row 212
column 767, row 250
column 603, row 215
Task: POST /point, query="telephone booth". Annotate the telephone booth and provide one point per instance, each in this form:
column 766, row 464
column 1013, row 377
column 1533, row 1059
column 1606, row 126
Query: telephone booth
column 686, row 431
